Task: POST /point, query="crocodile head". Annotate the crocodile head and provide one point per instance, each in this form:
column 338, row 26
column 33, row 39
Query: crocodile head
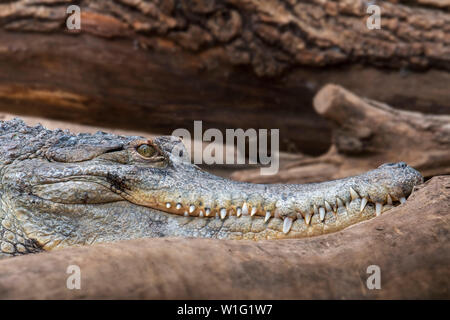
column 59, row 189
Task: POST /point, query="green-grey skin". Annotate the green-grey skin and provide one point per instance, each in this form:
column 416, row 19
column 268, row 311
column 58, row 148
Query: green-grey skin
column 58, row 189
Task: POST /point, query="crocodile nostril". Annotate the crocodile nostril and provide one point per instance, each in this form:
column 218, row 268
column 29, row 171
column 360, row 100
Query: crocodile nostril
column 402, row 165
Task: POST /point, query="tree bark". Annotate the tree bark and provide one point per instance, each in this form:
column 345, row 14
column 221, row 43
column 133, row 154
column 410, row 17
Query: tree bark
column 410, row 245
column 366, row 134
column 159, row 65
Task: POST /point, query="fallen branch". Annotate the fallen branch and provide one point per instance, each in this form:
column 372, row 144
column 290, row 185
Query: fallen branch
column 365, row 135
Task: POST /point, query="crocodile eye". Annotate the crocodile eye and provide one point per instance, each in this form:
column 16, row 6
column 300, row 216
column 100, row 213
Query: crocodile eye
column 146, row 150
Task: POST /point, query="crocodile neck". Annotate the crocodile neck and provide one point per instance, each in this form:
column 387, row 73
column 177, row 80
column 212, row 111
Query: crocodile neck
column 13, row 239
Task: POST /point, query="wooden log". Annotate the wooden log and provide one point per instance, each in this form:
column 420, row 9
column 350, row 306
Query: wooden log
column 410, row 244
column 366, row 134
column 157, row 66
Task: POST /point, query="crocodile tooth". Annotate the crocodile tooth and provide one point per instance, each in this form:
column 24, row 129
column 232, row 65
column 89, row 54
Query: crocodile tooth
column 238, row 211
column 339, row 202
column 201, row 213
column 191, row 208
column 287, row 224
column 253, row 212
column 389, row 199
column 168, row 205
column 186, row 214
column 402, row 200
column 321, row 213
column 363, row 204
column 353, row 194
column 245, row 208
column 346, row 205
column 335, row 208
column 223, row 213
column 316, row 210
column 268, row 215
column 178, row 206
column 327, row 206
column 308, row 218
column 378, row 208
column 207, row 212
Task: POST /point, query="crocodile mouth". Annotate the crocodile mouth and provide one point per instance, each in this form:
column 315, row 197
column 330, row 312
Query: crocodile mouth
column 288, row 209
column 323, row 213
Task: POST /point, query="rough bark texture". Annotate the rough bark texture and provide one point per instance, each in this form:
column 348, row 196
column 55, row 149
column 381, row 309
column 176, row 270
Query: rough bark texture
column 159, row 65
column 366, row 134
column 410, row 244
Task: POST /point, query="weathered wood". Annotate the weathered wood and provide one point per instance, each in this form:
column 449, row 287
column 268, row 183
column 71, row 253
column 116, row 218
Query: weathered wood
column 367, row 134
column 410, row 244
column 156, row 66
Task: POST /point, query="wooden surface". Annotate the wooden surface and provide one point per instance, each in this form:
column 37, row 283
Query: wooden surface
column 158, row 66
column 410, row 244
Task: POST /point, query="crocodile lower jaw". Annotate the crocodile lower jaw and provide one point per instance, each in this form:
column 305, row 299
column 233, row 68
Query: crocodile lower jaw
column 241, row 222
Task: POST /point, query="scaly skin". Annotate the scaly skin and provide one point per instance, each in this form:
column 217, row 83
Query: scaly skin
column 58, row 189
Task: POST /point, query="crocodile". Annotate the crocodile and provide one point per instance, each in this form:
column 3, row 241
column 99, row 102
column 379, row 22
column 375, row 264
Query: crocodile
column 60, row 189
